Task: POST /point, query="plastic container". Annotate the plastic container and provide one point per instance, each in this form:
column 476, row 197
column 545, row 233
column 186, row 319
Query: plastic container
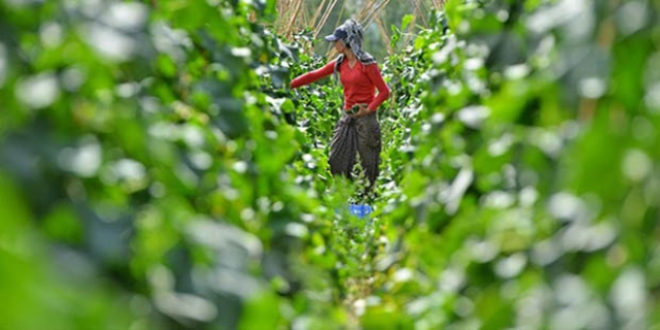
column 360, row 210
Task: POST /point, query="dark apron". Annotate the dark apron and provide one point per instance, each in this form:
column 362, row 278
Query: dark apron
column 356, row 135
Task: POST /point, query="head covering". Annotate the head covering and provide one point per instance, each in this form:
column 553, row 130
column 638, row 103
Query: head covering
column 353, row 39
column 339, row 34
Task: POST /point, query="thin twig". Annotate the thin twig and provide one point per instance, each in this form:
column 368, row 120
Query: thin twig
column 418, row 11
column 296, row 10
column 383, row 34
column 376, row 12
column 324, row 18
column 317, row 13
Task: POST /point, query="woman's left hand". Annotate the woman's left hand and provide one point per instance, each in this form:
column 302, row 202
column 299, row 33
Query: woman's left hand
column 364, row 110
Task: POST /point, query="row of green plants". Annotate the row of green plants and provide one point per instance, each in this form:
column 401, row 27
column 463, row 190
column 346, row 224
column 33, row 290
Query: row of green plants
column 157, row 171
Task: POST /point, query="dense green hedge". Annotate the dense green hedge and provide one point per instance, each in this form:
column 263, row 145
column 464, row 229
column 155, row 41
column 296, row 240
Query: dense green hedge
column 157, row 173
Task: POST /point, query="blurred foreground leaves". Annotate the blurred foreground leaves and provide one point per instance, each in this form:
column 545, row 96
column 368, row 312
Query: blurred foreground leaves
column 157, row 173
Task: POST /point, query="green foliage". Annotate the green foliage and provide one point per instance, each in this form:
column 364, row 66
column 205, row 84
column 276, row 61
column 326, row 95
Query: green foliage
column 157, row 172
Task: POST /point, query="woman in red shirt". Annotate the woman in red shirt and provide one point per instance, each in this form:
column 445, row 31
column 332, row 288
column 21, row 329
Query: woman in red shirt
column 358, row 130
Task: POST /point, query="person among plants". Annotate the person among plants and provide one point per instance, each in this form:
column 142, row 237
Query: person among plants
column 358, row 130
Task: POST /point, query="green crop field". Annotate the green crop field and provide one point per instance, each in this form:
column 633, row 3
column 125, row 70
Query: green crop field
column 157, row 172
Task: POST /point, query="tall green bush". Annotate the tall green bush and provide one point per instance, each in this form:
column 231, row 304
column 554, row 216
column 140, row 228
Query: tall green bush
column 157, row 171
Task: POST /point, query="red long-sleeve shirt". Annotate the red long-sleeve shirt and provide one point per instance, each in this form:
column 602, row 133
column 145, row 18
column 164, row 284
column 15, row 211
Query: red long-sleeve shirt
column 360, row 83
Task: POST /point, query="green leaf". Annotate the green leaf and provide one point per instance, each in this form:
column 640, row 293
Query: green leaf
column 405, row 21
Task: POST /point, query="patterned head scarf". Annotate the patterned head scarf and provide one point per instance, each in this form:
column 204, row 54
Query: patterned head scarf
column 351, row 33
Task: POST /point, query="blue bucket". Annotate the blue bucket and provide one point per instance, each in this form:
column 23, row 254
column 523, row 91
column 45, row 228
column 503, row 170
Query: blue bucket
column 360, row 211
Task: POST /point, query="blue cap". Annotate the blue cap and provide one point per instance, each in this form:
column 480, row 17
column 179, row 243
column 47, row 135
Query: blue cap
column 337, row 35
